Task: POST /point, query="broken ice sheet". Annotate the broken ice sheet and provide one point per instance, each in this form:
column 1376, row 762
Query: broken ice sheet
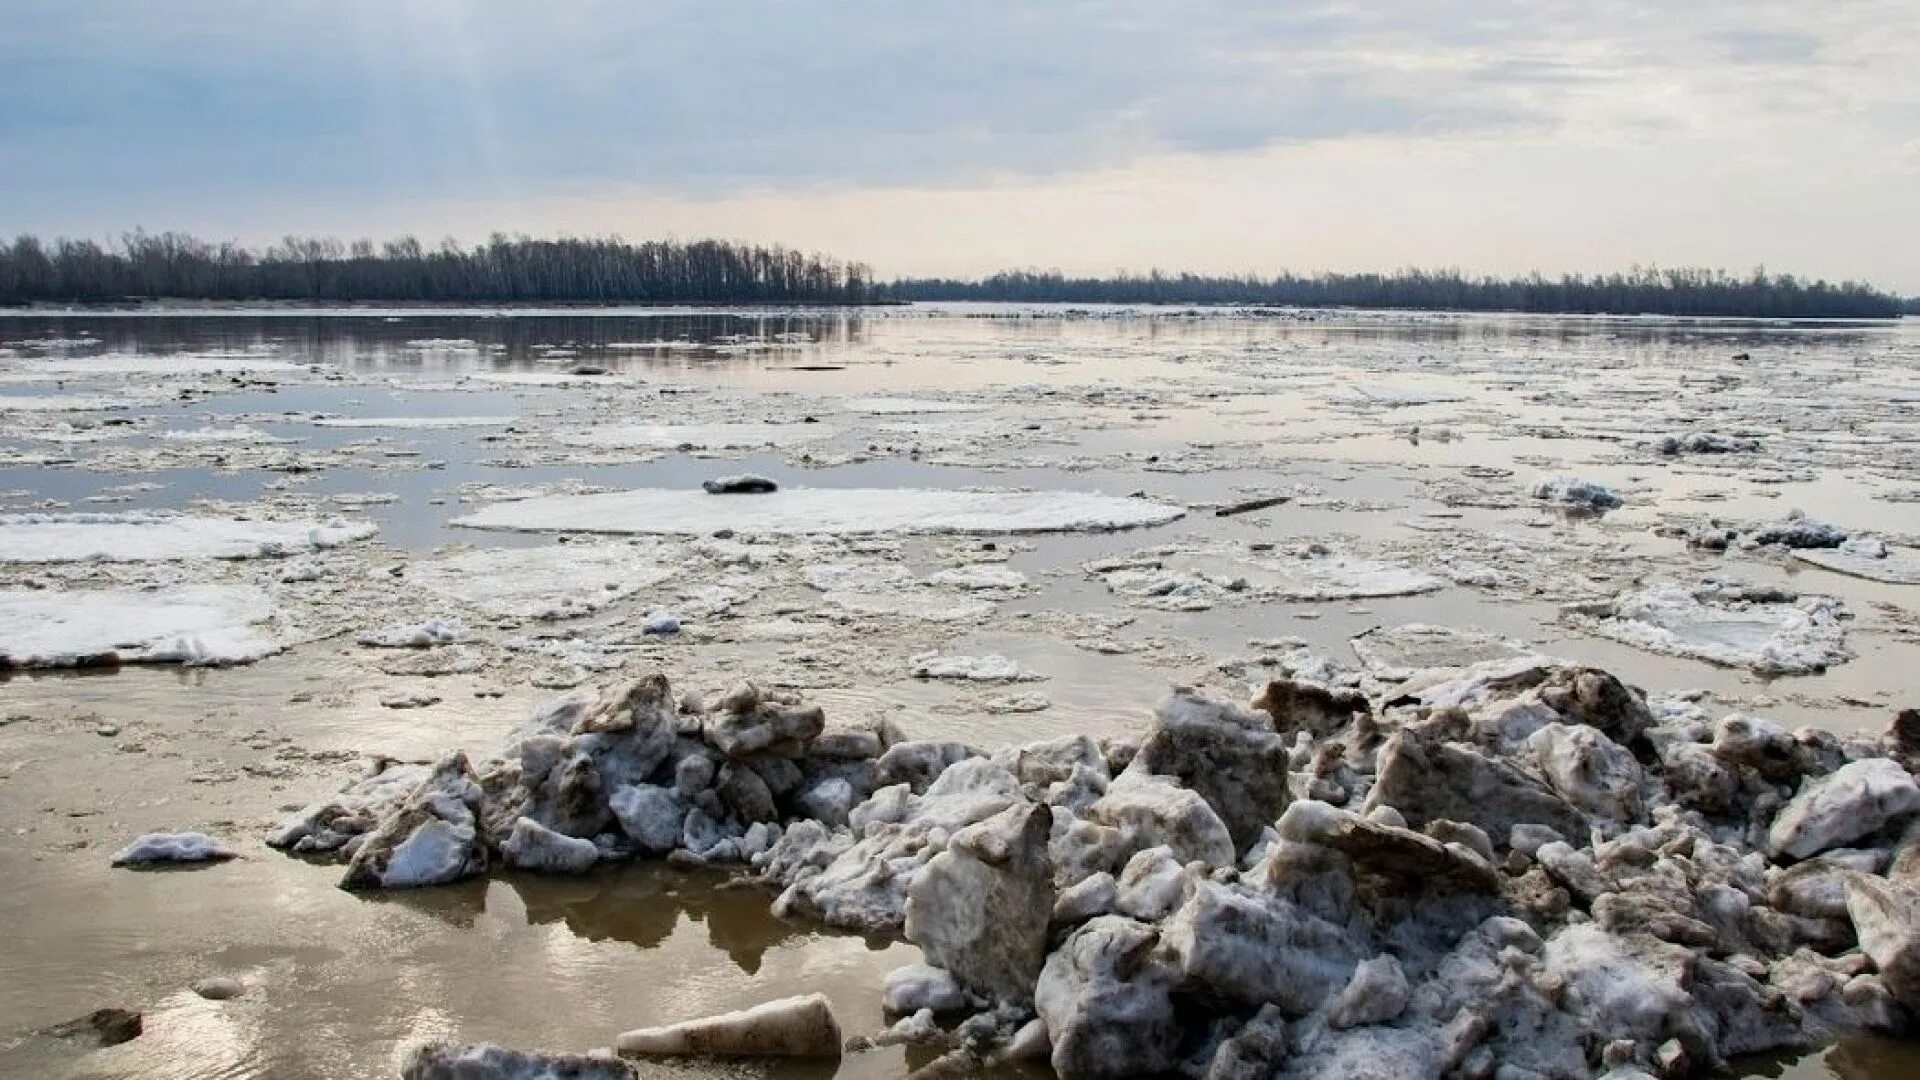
column 1395, row 653
column 1198, row 578
column 557, row 582
column 1767, row 636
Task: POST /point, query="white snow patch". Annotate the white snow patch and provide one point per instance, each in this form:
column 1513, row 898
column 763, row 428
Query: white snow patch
column 137, row 536
column 825, row 510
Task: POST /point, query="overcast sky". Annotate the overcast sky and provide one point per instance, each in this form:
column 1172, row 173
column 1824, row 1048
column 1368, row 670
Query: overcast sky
column 928, row 137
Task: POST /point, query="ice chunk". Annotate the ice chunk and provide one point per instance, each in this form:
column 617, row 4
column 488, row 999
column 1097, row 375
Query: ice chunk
column 802, row 1027
column 420, row 635
column 1856, row 800
column 990, row 668
column 443, row 1059
column 188, row 847
column 1575, row 492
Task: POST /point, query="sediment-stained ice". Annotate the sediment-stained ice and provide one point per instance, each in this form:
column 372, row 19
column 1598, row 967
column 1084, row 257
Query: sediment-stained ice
column 139, row 536
column 848, row 511
column 195, row 625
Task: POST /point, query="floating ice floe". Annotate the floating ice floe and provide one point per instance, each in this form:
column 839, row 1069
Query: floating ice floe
column 166, row 364
column 139, row 536
column 1393, row 653
column 1196, row 579
column 195, row 625
column 558, row 582
column 1768, row 634
column 979, row 577
column 1575, row 492
column 742, row 436
column 420, row 635
column 554, row 378
column 413, row 422
column 1867, row 558
column 845, row 511
column 238, row 434
column 990, row 668
column 904, row 406
column 69, row 403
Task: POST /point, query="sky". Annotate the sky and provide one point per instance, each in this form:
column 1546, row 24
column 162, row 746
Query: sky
column 956, row 138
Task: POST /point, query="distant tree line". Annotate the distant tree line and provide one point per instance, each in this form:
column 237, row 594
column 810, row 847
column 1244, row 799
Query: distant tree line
column 1642, row 291
column 505, row 269
column 510, row 270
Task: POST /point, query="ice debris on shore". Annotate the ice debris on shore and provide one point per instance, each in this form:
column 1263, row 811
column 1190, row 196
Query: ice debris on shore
column 1519, row 867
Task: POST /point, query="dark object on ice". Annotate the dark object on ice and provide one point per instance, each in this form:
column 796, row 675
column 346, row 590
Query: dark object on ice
column 105, row 1027
column 740, row 485
column 587, row 369
column 1250, row 505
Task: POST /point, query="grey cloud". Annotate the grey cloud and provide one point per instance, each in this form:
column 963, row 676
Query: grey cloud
column 302, row 99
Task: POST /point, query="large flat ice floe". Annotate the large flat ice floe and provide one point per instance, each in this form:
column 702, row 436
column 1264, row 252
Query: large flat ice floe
column 413, row 422
column 665, row 511
column 197, row 625
column 1766, row 634
column 541, row 583
column 743, row 436
column 150, row 537
column 165, row 364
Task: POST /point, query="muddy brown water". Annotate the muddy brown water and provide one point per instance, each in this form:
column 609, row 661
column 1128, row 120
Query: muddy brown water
column 338, row 982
